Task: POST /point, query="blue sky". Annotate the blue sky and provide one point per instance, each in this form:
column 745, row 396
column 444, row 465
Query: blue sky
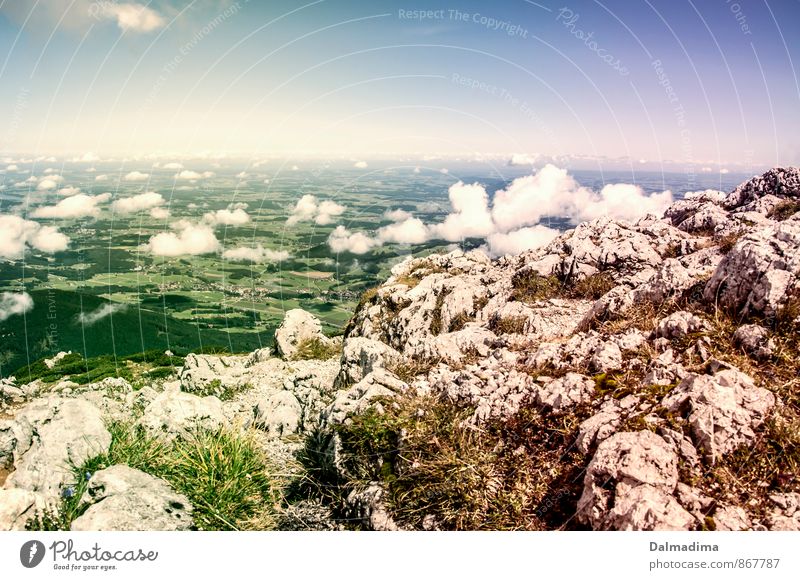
column 707, row 83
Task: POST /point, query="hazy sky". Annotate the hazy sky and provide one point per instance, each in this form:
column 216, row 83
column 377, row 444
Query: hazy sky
column 694, row 81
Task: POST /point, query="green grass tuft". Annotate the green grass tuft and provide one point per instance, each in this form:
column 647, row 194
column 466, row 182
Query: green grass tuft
column 223, row 473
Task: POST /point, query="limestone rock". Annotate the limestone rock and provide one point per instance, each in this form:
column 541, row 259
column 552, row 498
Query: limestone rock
column 46, row 438
column 367, row 506
column 731, row 519
column 785, row 515
column 604, row 423
column 754, row 340
column 565, row 392
column 679, row 324
column 361, row 356
column 779, row 181
column 280, row 413
column 297, row 326
column 722, row 409
column 607, row 357
column 204, row 374
column 124, row 499
column 629, row 484
column 17, row 506
column 174, row 413
column 360, row 396
column 759, row 272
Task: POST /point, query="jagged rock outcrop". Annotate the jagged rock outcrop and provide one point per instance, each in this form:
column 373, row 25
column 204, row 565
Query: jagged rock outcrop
column 362, row 395
column 125, row 499
column 611, row 324
column 785, row 513
column 722, row 409
column 629, row 485
column 760, row 272
column 298, row 326
column 781, row 182
column 605, row 345
column 755, row 340
column 361, row 356
column 175, row 413
column 46, row 438
column 18, row 507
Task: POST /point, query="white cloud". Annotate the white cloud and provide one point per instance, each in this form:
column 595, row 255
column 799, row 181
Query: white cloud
column 444, row 170
column 510, row 224
column 159, row 213
column 259, row 254
column 241, row 175
column 49, row 182
column 520, row 240
column 327, row 211
column 471, row 217
column 173, row 165
column 397, row 215
column 67, row 191
column 87, row 157
column 623, row 201
column 18, row 234
column 417, row 170
column 724, row 171
column 552, row 192
column 101, row 178
column 12, row 167
column 138, row 202
column 133, row 17
column 342, row 240
column 308, row 208
column 76, row 206
column 360, row 164
column 90, row 318
column 409, row 231
column 12, row 303
column 190, row 239
column 521, row 159
column 706, row 169
column 191, row 175
column 136, row 176
column 227, row 217
column 46, row 184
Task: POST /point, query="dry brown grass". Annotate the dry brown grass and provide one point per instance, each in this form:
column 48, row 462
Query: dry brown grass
column 727, row 242
column 589, row 288
column 519, row 474
column 529, row 286
column 508, row 324
column 785, row 210
column 408, row 369
column 459, row 321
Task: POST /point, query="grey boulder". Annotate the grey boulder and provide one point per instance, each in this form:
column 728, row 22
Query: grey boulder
column 126, row 499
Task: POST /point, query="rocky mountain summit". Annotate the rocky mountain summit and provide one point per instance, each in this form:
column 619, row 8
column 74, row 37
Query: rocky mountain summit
column 627, row 376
